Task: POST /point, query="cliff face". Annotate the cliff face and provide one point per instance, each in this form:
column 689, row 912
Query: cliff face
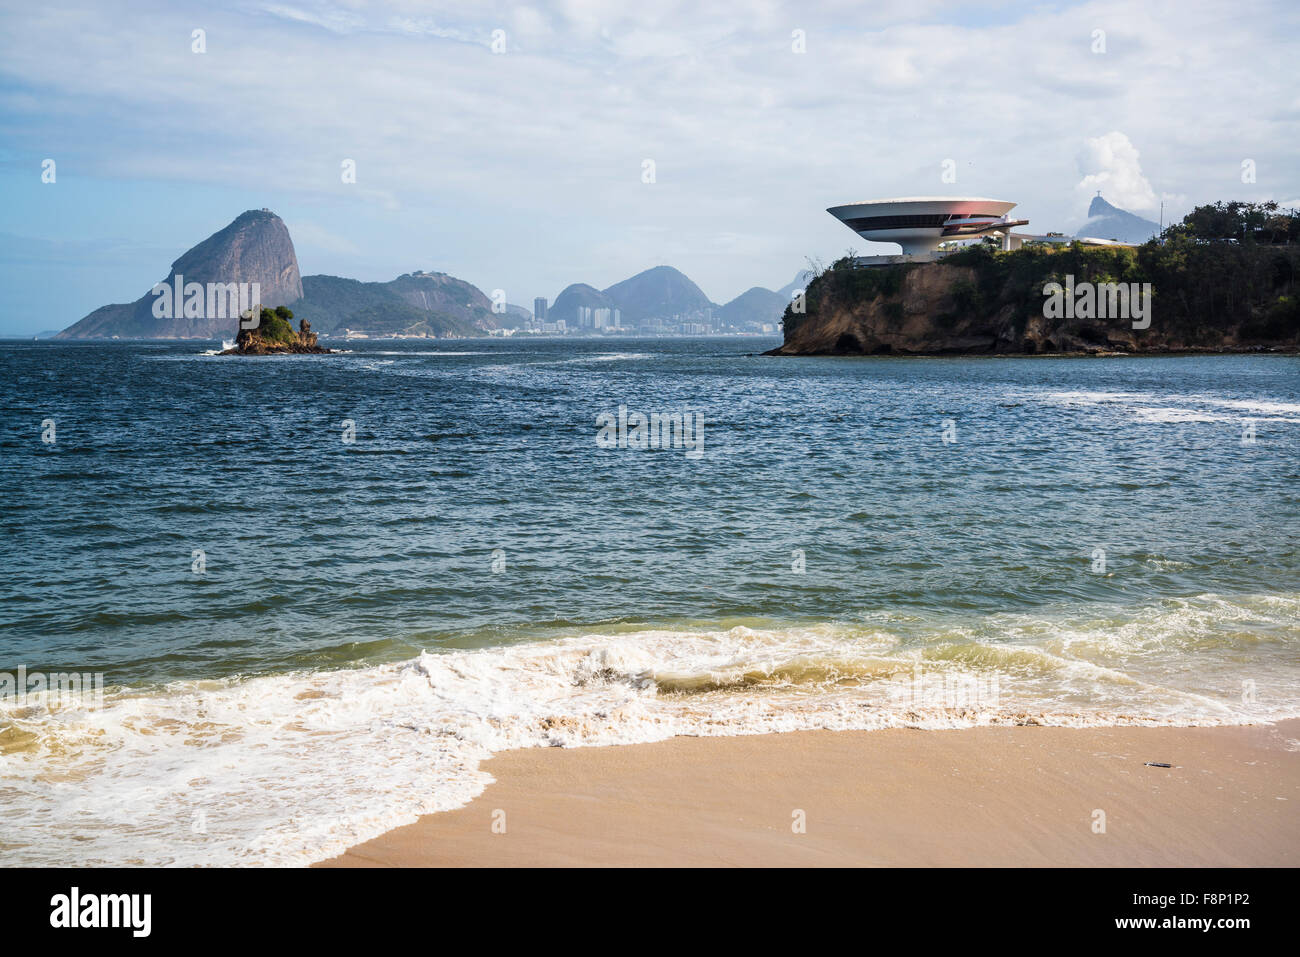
column 1204, row 299
column 255, row 248
column 914, row 319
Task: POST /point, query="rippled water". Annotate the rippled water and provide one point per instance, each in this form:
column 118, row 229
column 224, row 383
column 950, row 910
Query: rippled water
column 1094, row 543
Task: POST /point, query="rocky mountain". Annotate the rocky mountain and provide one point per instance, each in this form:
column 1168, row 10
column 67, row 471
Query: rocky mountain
column 752, row 305
column 1110, row 222
column 657, row 293
column 255, row 248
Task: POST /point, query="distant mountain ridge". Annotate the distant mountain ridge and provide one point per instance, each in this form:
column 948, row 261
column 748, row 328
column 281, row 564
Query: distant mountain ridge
column 256, row 248
column 413, row 304
column 663, row 293
column 1110, row 222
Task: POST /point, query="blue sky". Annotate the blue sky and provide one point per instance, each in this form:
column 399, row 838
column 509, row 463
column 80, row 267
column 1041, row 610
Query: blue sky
column 522, row 170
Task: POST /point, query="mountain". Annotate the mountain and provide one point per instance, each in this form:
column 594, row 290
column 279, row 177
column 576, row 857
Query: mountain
column 658, row 293
column 413, row 304
column 752, row 305
column 579, row 294
column 255, row 248
column 1110, row 222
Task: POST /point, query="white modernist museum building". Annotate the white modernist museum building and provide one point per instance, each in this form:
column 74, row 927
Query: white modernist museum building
column 920, row 224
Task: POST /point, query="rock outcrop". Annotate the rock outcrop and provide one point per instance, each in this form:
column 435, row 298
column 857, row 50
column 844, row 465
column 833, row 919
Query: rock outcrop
column 1205, row 298
column 274, row 335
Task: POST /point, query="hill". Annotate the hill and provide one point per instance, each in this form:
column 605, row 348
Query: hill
column 574, row 297
column 753, row 305
column 1110, row 222
column 657, row 293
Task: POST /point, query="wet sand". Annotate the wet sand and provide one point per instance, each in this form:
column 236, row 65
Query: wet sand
column 975, row 797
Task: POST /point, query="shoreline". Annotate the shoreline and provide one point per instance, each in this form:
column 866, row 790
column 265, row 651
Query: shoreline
column 987, row 796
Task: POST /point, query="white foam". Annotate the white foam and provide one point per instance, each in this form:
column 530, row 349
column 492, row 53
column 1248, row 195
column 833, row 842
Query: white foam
column 377, row 352
column 1156, row 415
column 1174, row 408
column 291, row 768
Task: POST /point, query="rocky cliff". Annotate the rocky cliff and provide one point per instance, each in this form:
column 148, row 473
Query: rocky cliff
column 255, row 248
column 274, row 335
column 1204, row 298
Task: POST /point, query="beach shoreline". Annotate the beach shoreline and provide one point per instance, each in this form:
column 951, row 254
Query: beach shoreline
column 988, row 796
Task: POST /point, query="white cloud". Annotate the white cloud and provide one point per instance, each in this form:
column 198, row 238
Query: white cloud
column 1110, row 164
column 525, row 167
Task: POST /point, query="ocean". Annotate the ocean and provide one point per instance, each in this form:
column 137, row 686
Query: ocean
column 318, row 591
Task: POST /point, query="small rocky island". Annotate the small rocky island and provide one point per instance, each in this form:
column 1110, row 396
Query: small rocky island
column 274, row 335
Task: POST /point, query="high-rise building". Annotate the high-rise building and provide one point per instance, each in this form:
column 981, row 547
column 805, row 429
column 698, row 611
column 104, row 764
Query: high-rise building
column 539, row 308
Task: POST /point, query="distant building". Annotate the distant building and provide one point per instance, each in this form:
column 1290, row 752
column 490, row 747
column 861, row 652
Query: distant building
column 539, row 308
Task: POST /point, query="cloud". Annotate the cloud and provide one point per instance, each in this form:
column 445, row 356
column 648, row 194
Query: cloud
column 524, row 169
column 1110, row 164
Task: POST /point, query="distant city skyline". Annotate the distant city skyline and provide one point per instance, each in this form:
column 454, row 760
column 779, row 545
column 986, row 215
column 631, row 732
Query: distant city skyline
column 399, row 136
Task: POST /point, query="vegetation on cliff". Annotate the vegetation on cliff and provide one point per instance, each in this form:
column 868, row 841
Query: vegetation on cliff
column 1208, row 293
column 275, row 334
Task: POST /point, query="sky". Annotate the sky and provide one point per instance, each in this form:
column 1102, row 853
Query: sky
column 524, row 147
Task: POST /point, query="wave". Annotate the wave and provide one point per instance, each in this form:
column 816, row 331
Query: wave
column 1155, row 408
column 290, row 768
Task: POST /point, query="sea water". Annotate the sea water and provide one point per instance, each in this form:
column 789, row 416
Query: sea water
column 318, row 591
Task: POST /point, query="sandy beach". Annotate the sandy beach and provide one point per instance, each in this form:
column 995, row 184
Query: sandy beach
column 975, row 797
